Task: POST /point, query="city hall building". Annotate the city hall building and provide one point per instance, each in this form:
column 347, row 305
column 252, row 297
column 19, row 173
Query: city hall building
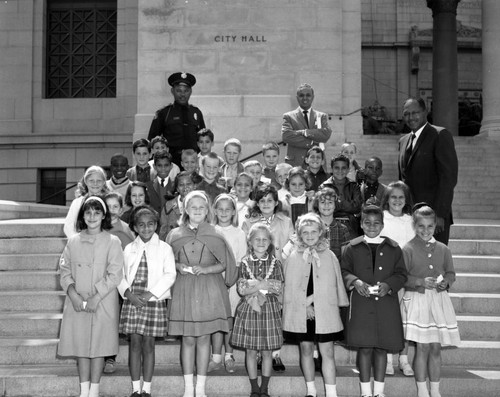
column 79, row 80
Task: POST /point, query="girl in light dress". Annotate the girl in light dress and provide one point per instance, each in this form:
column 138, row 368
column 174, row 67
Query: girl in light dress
column 257, row 325
column 396, row 203
column 200, row 301
column 90, row 270
column 313, row 292
column 226, row 223
column 429, row 318
column 243, row 187
column 149, row 273
column 93, row 183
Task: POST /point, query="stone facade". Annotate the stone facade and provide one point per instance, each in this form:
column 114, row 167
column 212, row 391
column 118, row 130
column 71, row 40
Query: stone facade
column 248, row 57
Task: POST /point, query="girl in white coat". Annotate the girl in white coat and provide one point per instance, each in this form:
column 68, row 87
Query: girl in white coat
column 149, row 273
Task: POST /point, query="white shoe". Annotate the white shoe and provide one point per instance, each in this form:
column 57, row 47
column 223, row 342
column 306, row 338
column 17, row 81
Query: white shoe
column 406, row 369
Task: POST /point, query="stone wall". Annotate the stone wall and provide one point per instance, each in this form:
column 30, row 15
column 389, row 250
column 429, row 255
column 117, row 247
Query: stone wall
column 36, row 132
column 248, row 58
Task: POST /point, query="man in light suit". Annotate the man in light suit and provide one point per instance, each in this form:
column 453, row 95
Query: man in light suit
column 304, row 127
column 428, row 164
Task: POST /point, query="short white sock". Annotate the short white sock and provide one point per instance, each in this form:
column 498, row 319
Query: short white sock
column 84, row 389
column 378, row 388
column 435, row 389
column 200, row 385
column 422, row 389
column 315, row 353
column 217, row 358
column 366, row 388
column 94, row 390
column 189, row 385
column 311, row 389
column 331, row 390
column 403, row 359
column 146, row 387
column 228, row 356
column 136, row 386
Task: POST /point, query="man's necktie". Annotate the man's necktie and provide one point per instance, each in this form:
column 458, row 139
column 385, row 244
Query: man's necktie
column 409, row 148
column 305, row 116
column 162, row 182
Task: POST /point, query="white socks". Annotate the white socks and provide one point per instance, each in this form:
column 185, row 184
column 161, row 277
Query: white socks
column 146, row 387
column 188, row 385
column 136, row 386
column 94, row 390
column 403, row 359
column 378, row 388
column 422, row 389
column 331, row 390
column 217, row 358
column 435, row 389
column 200, row 385
column 366, row 388
column 84, row 389
column 311, row 389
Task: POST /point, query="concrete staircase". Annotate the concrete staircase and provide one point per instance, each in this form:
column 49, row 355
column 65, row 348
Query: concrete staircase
column 31, row 305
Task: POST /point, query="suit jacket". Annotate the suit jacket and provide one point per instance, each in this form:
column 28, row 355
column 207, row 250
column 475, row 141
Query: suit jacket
column 292, row 130
column 156, row 196
column 432, row 169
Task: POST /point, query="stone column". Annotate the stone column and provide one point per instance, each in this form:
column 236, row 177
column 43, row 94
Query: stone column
column 444, row 64
column 491, row 69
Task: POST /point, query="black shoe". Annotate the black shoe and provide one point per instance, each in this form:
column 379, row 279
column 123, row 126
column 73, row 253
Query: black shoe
column 135, row 394
column 317, row 364
column 144, row 394
column 255, row 394
column 278, row 365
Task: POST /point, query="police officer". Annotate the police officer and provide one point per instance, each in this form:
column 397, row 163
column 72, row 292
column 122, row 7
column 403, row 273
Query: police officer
column 179, row 122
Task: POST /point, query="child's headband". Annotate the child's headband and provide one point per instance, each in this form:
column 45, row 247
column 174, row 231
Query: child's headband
column 225, row 196
column 196, row 193
column 97, row 199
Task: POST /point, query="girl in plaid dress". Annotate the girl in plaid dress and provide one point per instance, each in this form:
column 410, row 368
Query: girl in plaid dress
column 257, row 325
column 149, row 272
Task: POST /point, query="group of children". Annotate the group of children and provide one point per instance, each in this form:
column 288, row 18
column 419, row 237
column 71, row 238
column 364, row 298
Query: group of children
column 249, row 255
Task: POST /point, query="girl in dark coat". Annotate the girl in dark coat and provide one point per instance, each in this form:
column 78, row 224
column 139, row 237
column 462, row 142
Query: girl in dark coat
column 374, row 270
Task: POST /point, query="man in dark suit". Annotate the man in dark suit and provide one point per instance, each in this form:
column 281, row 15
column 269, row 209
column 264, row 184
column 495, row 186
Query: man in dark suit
column 428, row 164
column 179, row 122
column 304, row 127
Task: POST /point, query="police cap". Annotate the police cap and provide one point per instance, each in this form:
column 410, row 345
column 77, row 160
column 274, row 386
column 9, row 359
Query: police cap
column 182, row 78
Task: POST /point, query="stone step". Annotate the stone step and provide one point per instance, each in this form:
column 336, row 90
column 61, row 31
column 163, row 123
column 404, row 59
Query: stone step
column 479, row 327
column 46, row 245
column 17, row 228
column 29, row 261
column 476, row 263
column 466, row 302
column 30, row 324
column 47, row 324
column 475, row 230
column 31, row 301
column 41, row 280
column 477, row 282
column 474, row 247
column 62, row 381
column 17, row 351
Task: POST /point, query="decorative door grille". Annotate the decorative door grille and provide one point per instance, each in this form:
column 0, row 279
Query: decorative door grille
column 81, row 50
